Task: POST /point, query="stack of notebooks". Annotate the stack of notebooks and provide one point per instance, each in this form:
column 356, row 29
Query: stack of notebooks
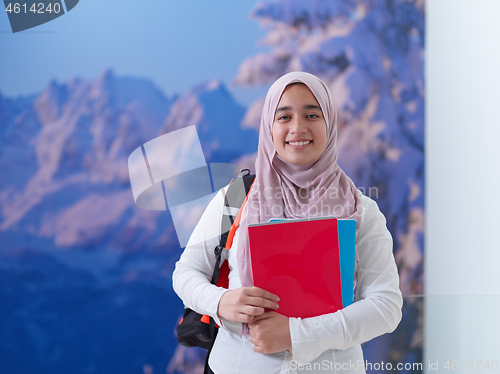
column 308, row 263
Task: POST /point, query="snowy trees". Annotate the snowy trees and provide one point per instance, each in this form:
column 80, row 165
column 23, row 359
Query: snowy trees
column 370, row 53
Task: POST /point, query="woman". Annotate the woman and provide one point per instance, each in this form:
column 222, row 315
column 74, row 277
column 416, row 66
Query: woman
column 297, row 176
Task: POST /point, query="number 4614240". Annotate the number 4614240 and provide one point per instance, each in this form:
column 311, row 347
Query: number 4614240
column 472, row 365
column 35, row 8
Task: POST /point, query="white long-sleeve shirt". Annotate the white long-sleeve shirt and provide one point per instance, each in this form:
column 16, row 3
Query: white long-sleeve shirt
column 328, row 343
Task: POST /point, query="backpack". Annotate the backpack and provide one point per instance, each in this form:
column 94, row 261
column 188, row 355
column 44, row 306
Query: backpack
column 194, row 329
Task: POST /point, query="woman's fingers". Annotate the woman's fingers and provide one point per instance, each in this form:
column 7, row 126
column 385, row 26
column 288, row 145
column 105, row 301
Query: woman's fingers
column 261, row 302
column 243, row 304
column 256, row 297
column 270, row 333
column 258, row 300
column 259, row 292
column 262, row 316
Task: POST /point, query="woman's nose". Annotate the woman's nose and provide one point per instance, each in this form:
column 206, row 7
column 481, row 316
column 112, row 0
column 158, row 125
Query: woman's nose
column 297, row 126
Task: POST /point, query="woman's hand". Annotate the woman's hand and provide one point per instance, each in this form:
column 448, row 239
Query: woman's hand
column 245, row 304
column 270, row 333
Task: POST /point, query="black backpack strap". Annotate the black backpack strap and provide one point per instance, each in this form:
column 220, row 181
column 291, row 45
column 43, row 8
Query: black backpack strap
column 213, row 334
column 247, row 180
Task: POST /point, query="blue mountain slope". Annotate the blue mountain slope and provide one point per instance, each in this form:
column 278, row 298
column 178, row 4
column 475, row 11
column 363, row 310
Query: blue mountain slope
column 56, row 319
column 86, row 275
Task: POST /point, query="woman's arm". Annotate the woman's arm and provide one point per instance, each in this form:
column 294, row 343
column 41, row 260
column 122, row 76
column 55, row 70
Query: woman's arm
column 377, row 312
column 193, row 273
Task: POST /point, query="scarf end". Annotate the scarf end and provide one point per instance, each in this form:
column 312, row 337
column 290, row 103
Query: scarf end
column 245, row 331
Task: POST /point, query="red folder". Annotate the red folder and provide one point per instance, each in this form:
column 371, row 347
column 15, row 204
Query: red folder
column 298, row 260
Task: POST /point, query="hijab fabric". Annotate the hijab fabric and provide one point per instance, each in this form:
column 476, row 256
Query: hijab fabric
column 284, row 190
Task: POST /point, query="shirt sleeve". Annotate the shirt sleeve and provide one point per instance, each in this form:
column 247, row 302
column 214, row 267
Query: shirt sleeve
column 378, row 310
column 193, row 272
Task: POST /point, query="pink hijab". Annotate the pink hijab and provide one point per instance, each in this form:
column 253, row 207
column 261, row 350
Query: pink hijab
column 283, row 190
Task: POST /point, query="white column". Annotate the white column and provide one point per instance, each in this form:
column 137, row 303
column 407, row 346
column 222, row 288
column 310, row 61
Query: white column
column 462, row 245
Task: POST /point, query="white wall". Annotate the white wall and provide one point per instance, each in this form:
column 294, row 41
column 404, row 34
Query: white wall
column 462, row 246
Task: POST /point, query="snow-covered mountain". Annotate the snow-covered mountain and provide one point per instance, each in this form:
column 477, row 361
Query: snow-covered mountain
column 72, row 148
column 211, row 108
column 85, row 273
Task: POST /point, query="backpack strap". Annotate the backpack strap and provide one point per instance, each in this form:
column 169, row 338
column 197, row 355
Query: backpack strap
column 234, row 199
column 236, row 196
column 248, row 186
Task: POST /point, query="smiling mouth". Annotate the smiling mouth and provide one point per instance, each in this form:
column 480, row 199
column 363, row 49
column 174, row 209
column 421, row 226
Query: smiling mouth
column 301, row 143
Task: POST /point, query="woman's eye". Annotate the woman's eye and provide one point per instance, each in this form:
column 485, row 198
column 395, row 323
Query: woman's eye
column 283, row 117
column 312, row 116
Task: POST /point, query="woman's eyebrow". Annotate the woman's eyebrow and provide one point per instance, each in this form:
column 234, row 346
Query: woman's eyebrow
column 283, row 108
column 312, row 106
column 307, row 106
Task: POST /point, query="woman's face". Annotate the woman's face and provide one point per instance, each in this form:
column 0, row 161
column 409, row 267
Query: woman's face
column 299, row 127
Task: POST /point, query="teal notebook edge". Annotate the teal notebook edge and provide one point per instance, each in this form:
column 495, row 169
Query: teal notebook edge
column 347, row 251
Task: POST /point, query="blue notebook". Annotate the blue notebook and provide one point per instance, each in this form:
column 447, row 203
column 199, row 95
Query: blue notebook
column 347, row 249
